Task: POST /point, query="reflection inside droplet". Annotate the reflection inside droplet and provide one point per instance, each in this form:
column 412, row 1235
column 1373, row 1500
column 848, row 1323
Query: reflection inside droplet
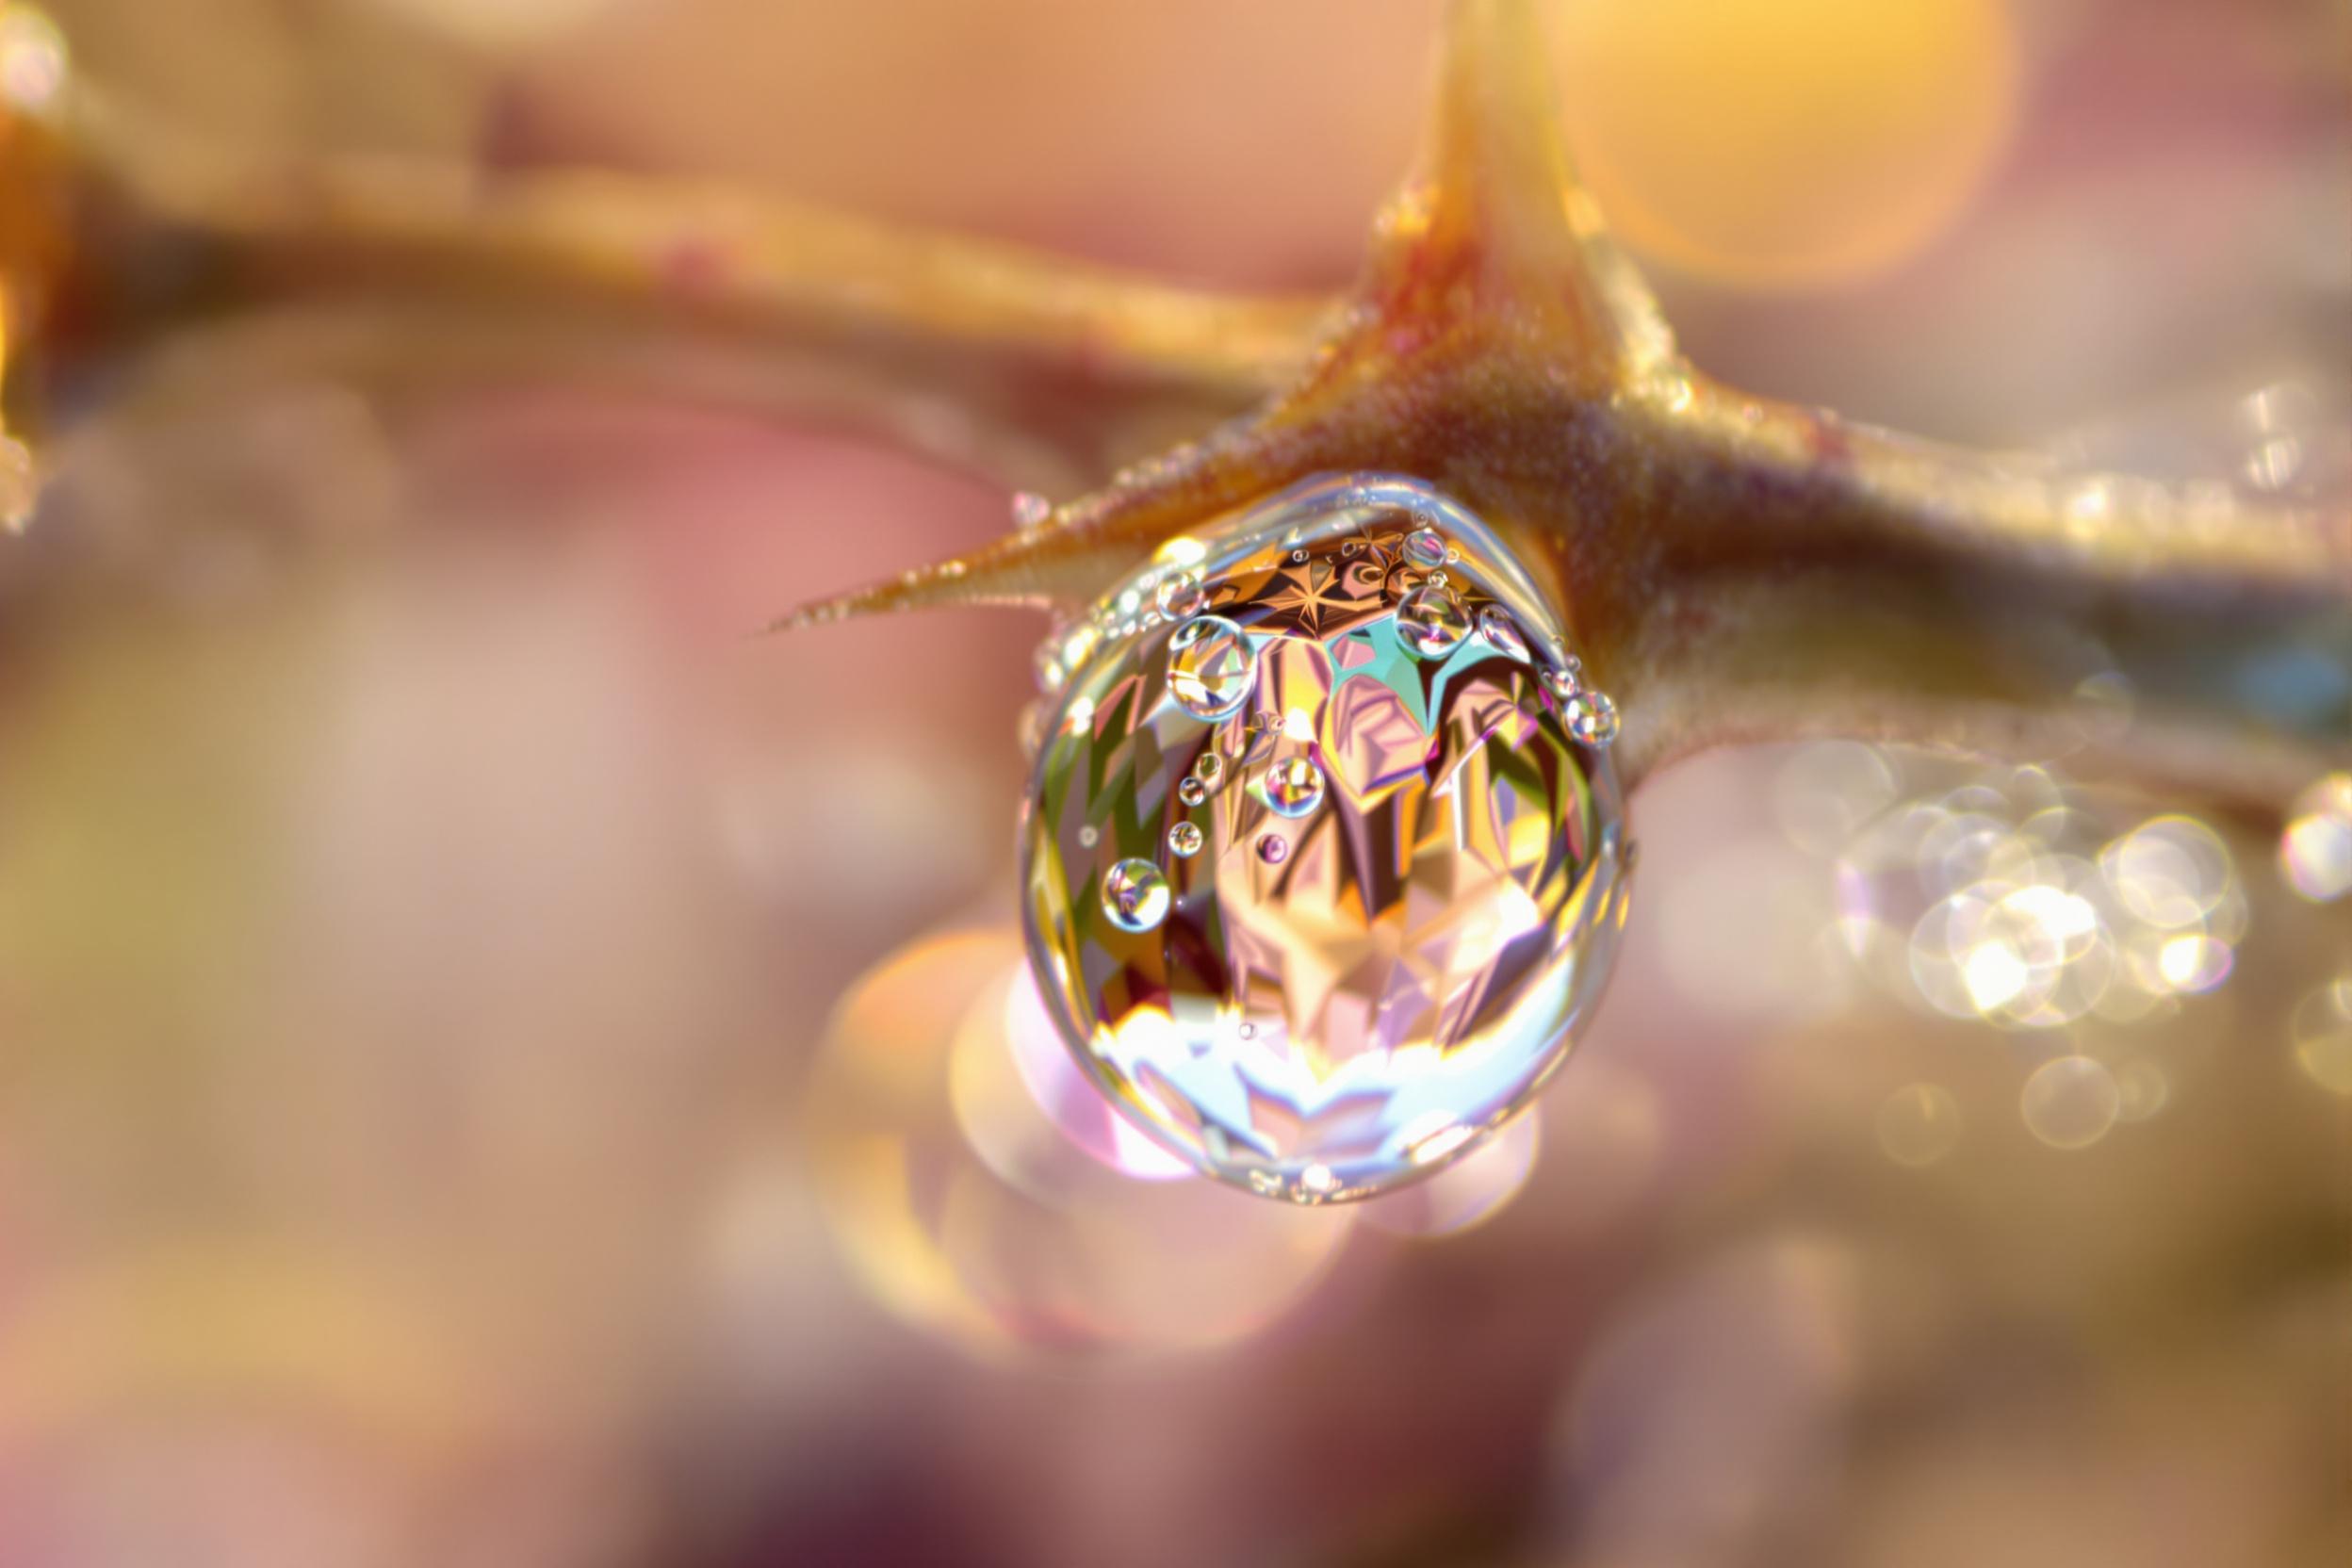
column 1209, row 667
column 1377, row 948
column 1135, row 895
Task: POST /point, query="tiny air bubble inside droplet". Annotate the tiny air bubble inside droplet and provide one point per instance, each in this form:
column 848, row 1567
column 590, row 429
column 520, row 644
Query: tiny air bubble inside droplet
column 1135, row 895
column 1293, row 787
column 1178, row 597
column 1425, row 547
column 1432, row 621
column 1592, row 718
column 1210, row 668
column 1501, row 632
column 1185, row 839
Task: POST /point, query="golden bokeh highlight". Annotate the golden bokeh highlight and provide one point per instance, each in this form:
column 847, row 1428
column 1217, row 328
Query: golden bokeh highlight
column 2071, row 1102
column 1918, row 1124
column 975, row 1200
column 2322, row 1027
column 2315, row 847
column 1786, row 143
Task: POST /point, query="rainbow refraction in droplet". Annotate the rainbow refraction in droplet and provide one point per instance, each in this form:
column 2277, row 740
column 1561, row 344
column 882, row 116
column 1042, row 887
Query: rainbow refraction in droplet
column 1321, row 876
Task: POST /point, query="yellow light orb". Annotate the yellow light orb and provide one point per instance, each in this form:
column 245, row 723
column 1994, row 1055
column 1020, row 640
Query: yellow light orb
column 1786, row 143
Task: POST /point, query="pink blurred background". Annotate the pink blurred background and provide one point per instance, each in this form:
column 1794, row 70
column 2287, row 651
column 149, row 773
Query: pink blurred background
column 501, row 1069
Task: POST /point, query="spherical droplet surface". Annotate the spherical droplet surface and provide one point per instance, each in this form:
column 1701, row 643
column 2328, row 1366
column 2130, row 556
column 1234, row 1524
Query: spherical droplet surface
column 1502, row 633
column 1433, row 620
column 1399, row 921
column 1293, row 787
column 1425, row 547
column 1210, row 669
column 1591, row 717
column 1135, row 895
column 1178, row 597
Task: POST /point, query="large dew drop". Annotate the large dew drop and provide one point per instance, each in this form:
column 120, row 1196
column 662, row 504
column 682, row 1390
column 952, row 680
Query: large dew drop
column 1341, row 976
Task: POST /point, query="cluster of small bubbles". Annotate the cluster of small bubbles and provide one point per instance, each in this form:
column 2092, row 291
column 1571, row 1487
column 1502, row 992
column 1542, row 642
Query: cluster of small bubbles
column 1211, row 667
column 2322, row 1032
column 1135, row 895
column 1502, row 633
column 1192, row 790
column 1185, row 839
column 1432, row 621
column 2315, row 849
column 1293, row 787
column 1996, row 900
column 1591, row 717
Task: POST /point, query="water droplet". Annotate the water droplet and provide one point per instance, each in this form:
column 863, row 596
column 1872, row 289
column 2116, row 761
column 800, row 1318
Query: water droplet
column 1185, row 839
column 1562, row 681
column 1425, row 547
column 1591, row 717
column 1298, row 557
column 1350, row 548
column 1090, row 836
column 1446, row 908
column 1192, row 790
column 1293, row 787
column 1501, row 632
column 1431, row 622
column 1031, row 511
column 1135, row 895
column 1180, row 596
column 1210, row 668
